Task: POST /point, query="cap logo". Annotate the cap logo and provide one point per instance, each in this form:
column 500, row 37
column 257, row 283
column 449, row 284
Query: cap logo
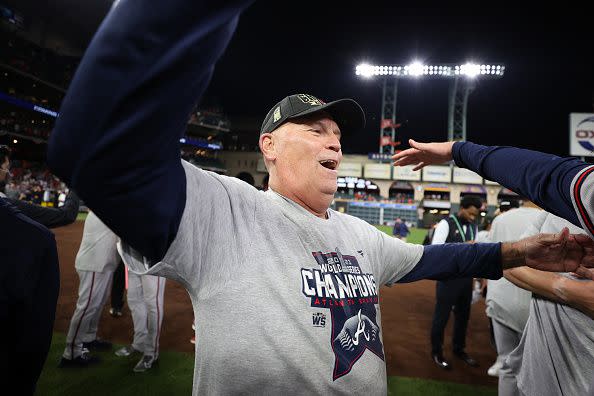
column 277, row 114
column 309, row 99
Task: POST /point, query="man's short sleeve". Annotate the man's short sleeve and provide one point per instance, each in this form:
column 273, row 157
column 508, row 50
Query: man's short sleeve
column 206, row 247
column 398, row 258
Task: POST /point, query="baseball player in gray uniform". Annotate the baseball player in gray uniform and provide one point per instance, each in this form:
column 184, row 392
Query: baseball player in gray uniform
column 508, row 305
column 96, row 260
column 145, row 300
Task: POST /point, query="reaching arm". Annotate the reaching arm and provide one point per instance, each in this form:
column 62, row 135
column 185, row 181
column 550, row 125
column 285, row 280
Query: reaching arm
column 50, row 217
column 577, row 294
column 457, row 260
column 116, row 140
column 562, row 252
column 544, row 178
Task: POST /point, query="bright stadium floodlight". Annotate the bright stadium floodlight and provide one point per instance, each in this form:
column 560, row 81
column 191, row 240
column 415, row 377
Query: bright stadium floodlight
column 462, row 82
column 418, row 69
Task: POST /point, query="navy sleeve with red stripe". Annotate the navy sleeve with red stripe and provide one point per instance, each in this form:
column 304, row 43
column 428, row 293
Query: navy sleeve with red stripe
column 583, row 187
column 545, row 179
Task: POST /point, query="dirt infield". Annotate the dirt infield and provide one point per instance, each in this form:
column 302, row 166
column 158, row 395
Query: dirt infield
column 406, row 320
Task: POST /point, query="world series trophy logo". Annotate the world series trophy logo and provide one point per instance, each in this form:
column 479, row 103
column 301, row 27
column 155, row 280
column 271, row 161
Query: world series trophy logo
column 339, row 285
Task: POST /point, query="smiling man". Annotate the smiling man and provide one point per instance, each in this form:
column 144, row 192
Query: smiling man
column 287, row 289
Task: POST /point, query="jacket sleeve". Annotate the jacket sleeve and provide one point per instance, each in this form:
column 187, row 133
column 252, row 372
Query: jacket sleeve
column 545, row 179
column 116, row 140
column 50, row 217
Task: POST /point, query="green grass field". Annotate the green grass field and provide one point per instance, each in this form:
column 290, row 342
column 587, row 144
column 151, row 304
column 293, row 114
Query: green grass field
column 416, row 234
column 173, row 376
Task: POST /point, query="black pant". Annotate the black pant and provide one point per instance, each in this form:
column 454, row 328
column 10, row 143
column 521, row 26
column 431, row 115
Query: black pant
column 117, row 287
column 456, row 293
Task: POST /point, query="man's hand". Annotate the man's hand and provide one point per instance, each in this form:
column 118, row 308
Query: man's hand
column 562, row 252
column 421, row 154
column 585, row 273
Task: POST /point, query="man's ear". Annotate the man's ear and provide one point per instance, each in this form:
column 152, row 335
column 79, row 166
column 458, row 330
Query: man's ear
column 267, row 146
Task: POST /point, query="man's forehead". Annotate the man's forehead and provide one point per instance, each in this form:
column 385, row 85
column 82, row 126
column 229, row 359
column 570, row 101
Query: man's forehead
column 322, row 119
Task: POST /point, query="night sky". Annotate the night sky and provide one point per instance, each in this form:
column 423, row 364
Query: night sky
column 282, row 48
column 548, row 55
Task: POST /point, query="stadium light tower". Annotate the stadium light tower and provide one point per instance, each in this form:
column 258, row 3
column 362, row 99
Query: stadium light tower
column 463, row 78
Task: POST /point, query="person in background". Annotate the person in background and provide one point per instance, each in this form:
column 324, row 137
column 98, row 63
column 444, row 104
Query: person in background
column 454, row 294
column 400, row 229
column 96, row 260
column 429, row 235
column 29, row 288
column 508, row 305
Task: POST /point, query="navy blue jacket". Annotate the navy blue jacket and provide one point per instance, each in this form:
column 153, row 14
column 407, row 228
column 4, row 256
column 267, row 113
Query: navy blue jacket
column 29, row 288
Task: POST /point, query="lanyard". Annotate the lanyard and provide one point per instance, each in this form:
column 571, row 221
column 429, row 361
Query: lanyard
column 462, row 231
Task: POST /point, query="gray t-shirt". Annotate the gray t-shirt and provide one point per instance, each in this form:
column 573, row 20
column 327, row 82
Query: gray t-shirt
column 556, row 352
column 285, row 302
column 506, row 302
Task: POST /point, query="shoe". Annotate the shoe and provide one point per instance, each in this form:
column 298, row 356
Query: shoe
column 467, row 359
column 126, row 351
column 493, row 371
column 116, row 313
column 146, row 363
column 193, row 340
column 97, row 345
column 440, row 361
column 84, row 360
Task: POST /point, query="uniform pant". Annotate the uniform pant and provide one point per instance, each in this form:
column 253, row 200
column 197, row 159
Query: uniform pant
column 456, row 294
column 93, row 291
column 145, row 300
column 506, row 340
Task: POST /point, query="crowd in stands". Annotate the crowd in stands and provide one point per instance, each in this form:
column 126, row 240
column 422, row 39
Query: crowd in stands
column 437, row 196
column 23, row 124
column 402, row 197
column 33, row 182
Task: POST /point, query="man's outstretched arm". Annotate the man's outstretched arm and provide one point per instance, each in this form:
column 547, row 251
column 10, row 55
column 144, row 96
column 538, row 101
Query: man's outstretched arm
column 561, row 252
column 545, row 179
column 50, row 217
column 555, row 287
column 116, row 141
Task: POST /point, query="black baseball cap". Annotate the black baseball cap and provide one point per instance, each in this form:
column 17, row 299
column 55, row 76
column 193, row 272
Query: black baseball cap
column 345, row 112
column 508, row 204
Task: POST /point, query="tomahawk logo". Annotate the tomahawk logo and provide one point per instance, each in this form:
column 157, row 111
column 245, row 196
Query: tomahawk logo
column 340, row 286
